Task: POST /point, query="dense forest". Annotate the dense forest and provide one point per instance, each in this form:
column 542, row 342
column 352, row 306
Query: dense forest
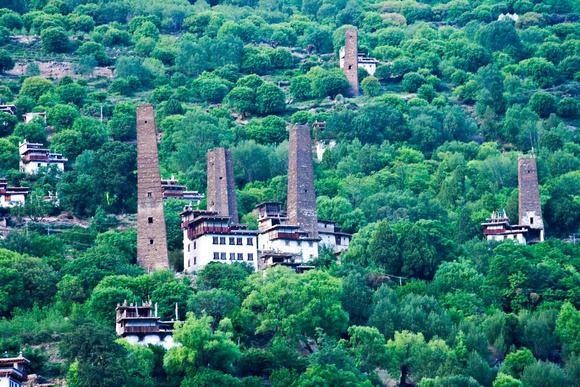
column 422, row 157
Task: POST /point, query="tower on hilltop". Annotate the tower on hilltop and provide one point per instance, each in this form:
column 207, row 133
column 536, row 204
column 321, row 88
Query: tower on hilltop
column 151, row 234
column 350, row 68
column 301, row 195
column 221, row 188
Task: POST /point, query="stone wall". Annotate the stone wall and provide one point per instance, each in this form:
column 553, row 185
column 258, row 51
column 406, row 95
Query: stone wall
column 301, row 195
column 221, row 188
column 151, row 234
column 530, row 209
column 350, row 68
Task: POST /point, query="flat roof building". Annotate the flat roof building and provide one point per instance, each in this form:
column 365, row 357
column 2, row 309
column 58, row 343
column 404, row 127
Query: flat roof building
column 12, row 372
column 12, row 196
column 34, row 156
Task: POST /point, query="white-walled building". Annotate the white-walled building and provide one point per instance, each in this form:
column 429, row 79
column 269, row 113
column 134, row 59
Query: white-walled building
column 369, row 64
column 210, row 237
column 172, row 189
column 332, row 237
column 34, row 156
column 139, row 325
column 12, row 196
column 29, row 117
column 12, row 371
column 498, row 228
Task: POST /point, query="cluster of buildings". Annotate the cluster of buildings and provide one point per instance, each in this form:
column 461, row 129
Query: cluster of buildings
column 350, row 61
column 530, row 227
column 290, row 237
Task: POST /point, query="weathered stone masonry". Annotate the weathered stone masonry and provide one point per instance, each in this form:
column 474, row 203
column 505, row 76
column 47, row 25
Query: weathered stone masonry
column 221, row 188
column 530, row 209
column 151, row 234
column 301, row 195
column 350, row 68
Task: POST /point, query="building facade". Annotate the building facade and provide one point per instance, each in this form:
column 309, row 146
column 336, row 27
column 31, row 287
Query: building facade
column 140, row 325
column 34, row 156
column 12, row 196
column 211, row 237
column 363, row 62
column 172, row 189
column 332, row 237
column 12, row 372
column 221, row 187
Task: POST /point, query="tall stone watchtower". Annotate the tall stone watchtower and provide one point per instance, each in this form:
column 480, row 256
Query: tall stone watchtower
column 350, row 68
column 151, row 234
column 530, row 209
column 301, row 195
column 221, row 188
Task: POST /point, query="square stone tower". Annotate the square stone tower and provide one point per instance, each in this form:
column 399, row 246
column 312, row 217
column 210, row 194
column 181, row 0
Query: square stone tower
column 151, row 234
column 530, row 208
column 350, row 68
column 301, row 196
column 221, row 187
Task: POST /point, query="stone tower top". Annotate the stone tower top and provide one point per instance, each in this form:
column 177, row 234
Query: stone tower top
column 301, row 195
column 350, row 68
column 530, row 209
column 151, row 234
column 221, row 188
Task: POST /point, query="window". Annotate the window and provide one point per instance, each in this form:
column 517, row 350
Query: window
column 194, row 245
column 239, row 241
column 8, row 198
column 216, row 255
column 310, row 243
column 287, row 243
column 149, row 194
column 149, row 220
column 299, row 243
column 311, row 256
column 250, row 257
column 188, row 263
column 223, row 256
column 232, row 241
column 250, row 242
column 215, row 240
column 188, row 247
column 195, row 260
column 240, row 257
column 222, row 240
column 232, row 256
column 531, row 220
column 150, row 241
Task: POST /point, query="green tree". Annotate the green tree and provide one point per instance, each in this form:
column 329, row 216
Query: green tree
column 384, row 250
column 300, row 88
column 6, row 61
column 123, row 125
column 270, row 99
column 498, row 35
column 371, row 86
column 516, row 362
column 543, row 104
column 568, row 327
column 62, row 116
column 55, row 39
column 201, row 347
column 9, row 156
column 35, row 87
column 271, row 129
column 241, row 99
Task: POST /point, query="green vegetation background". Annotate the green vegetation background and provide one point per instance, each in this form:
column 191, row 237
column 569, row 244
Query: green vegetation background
column 421, row 159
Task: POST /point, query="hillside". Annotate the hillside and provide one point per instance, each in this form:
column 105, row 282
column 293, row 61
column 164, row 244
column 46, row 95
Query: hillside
column 413, row 165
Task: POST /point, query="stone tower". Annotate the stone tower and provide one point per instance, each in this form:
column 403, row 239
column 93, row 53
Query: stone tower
column 221, row 188
column 301, row 196
column 151, row 235
column 351, row 60
column 530, row 209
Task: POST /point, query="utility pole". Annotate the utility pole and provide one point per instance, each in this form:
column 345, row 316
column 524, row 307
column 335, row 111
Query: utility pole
column 101, row 114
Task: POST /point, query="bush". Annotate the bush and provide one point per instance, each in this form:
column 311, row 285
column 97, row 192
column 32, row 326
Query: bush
column 568, row 107
column 300, row 88
column 55, row 39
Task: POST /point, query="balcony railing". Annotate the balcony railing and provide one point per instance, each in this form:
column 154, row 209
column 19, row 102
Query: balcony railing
column 141, row 329
column 283, row 235
column 29, row 158
column 191, row 233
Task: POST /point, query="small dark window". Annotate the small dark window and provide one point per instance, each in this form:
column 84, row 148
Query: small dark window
column 232, row 241
column 250, row 257
column 215, row 240
column 223, row 256
column 310, row 243
column 149, row 194
column 195, row 260
column 350, row 67
column 239, row 241
column 240, row 257
column 222, row 240
column 531, row 220
column 188, row 263
column 150, row 220
column 145, row 121
column 216, row 255
column 194, row 245
column 232, row 256
column 250, row 242
column 150, row 241
column 189, row 247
